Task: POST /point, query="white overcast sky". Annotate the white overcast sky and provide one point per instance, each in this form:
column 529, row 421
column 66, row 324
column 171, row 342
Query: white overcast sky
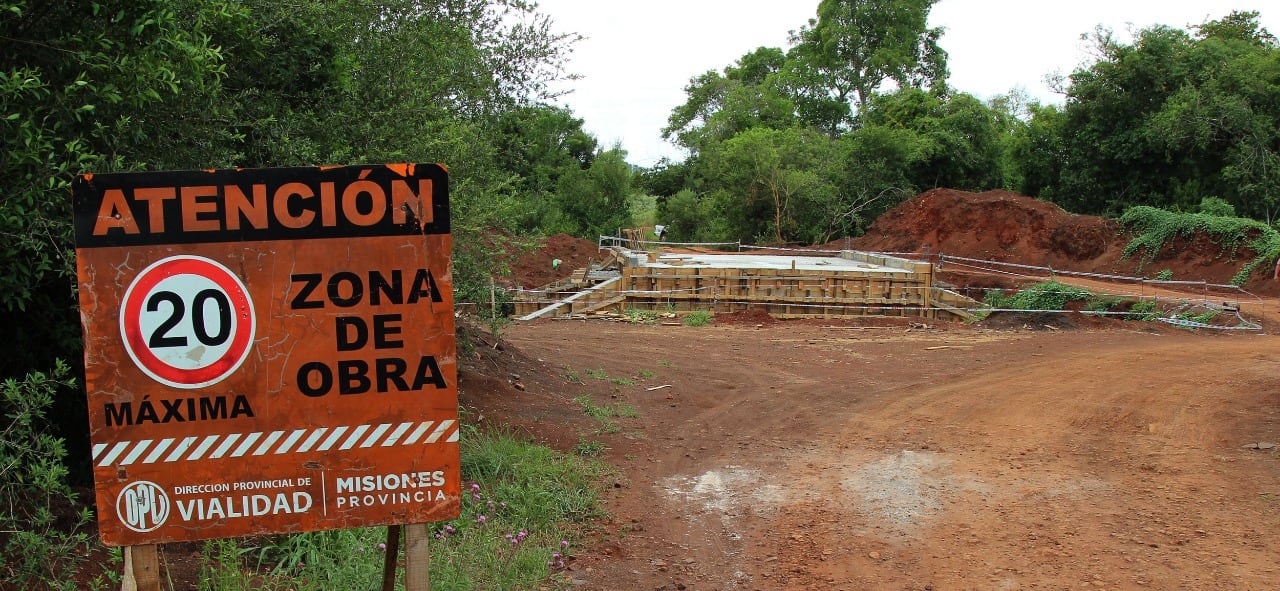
column 638, row 55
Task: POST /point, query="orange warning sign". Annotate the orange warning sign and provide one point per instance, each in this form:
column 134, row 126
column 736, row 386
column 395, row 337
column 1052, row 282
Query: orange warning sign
column 268, row 351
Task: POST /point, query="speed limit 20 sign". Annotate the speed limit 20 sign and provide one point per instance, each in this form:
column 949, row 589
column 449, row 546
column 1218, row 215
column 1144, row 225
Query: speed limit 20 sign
column 187, row 321
column 268, row 351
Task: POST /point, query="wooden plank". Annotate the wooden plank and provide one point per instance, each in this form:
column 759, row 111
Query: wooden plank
column 417, row 557
column 141, row 568
column 389, row 559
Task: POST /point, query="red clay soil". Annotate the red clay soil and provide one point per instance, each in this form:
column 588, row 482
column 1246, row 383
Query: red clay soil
column 534, row 269
column 1007, row 227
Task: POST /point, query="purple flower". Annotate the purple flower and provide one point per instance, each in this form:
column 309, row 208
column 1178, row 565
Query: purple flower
column 564, row 543
column 382, row 546
column 449, row 529
column 481, row 519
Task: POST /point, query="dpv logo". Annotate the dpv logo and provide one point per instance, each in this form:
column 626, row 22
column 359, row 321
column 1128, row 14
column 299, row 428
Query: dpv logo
column 142, row 506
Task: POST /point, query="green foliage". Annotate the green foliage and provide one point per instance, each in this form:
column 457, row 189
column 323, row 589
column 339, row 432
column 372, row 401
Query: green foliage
column 573, row 377
column 224, row 568
column 1146, row 310
column 639, row 316
column 1049, row 295
column 1216, row 207
column 594, row 202
column 1154, row 227
column 778, row 155
column 1205, row 317
column 1053, row 296
column 588, row 448
column 859, row 45
column 698, row 318
column 598, row 374
column 523, row 506
column 1165, row 275
column 45, row 541
column 606, row 414
column 1172, row 117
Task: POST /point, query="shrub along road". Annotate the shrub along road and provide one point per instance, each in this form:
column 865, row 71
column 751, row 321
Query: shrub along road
column 807, row 456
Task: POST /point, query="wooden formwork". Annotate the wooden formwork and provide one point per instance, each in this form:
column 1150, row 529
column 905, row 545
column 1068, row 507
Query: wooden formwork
column 783, row 293
column 882, row 286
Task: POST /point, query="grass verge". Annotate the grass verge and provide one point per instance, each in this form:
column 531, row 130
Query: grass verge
column 523, row 508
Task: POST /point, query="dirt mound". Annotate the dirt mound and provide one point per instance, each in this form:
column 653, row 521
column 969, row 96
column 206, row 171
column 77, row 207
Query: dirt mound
column 534, row 269
column 1007, row 227
column 751, row 316
column 996, row 225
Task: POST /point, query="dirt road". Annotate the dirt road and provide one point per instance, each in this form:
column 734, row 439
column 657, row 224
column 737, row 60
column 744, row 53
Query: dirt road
column 792, row 456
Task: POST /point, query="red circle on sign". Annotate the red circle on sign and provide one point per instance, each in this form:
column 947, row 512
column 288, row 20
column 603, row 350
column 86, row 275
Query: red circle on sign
column 222, row 286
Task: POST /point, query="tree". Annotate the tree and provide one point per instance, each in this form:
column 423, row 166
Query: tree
column 1037, row 153
column 539, row 144
column 593, row 202
column 1174, row 117
column 957, row 139
column 720, row 106
column 859, row 45
column 771, row 184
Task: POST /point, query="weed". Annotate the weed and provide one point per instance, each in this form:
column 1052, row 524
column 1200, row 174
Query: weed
column 605, row 414
column 623, row 381
column 638, row 316
column 588, row 448
column 625, row 411
column 1165, row 275
column 1102, row 304
column 698, row 318
column 1202, row 318
column 597, row 374
column 1049, row 295
column 645, row 374
column 573, row 377
column 664, row 363
column 607, row 427
column 223, row 570
column 522, row 506
column 1155, row 226
column 1144, row 310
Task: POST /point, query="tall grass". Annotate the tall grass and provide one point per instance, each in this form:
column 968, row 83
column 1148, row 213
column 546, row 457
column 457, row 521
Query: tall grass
column 523, row 507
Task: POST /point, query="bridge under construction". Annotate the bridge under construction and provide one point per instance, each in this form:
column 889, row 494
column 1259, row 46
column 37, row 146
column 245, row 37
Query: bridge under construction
column 795, row 284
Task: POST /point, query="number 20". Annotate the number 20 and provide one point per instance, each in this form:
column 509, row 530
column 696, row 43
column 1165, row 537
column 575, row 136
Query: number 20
column 161, row 338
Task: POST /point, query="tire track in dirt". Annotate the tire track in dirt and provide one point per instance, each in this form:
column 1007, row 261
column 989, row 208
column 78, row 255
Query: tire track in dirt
column 797, row 457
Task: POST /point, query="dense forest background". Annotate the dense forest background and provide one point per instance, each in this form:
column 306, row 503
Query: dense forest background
column 801, row 144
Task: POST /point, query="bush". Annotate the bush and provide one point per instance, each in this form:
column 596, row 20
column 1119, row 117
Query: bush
column 698, row 318
column 1049, row 295
column 42, row 548
column 522, row 505
column 1155, row 226
column 1217, row 207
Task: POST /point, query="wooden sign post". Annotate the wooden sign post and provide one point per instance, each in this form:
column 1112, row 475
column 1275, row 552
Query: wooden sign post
column 268, row 351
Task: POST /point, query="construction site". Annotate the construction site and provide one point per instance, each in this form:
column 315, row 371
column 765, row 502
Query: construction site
column 679, row 278
column 874, row 442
